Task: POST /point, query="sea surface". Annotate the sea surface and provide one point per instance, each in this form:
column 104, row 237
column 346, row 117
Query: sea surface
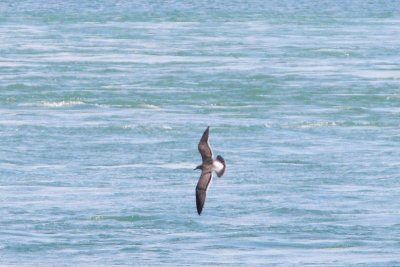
column 102, row 105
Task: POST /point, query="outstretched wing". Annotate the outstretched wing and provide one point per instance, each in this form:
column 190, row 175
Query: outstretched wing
column 204, row 146
column 201, row 190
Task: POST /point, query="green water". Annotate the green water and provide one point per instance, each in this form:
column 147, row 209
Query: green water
column 102, row 106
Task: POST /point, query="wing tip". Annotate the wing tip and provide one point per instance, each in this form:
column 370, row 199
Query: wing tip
column 207, row 130
column 204, row 137
column 200, row 199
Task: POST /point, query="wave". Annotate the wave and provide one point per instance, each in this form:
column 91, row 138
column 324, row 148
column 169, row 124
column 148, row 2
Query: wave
column 58, row 104
column 150, row 106
column 147, row 128
column 73, row 103
column 13, row 166
column 178, row 165
column 61, row 104
column 329, row 124
column 138, row 165
column 129, row 218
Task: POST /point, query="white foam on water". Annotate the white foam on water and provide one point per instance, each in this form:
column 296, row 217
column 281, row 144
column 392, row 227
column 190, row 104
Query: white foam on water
column 378, row 74
column 150, row 106
column 138, row 165
column 32, row 167
column 177, row 165
column 62, row 104
column 58, row 104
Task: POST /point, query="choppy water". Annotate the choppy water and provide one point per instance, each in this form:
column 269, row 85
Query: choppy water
column 102, row 105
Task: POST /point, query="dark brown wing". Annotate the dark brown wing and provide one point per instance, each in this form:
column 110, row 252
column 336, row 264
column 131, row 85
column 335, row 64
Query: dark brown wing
column 204, row 147
column 201, row 190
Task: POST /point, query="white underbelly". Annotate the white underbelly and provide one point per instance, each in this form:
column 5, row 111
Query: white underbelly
column 217, row 166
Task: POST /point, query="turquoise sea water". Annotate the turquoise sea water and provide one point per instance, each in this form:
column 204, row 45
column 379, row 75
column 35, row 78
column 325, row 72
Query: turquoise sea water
column 102, row 104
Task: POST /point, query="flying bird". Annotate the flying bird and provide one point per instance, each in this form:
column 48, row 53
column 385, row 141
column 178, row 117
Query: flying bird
column 207, row 167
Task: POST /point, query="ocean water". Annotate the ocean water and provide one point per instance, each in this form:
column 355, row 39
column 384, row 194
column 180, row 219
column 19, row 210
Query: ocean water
column 102, row 104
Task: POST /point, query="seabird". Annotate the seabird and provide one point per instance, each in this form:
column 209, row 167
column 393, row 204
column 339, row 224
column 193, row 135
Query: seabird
column 207, row 167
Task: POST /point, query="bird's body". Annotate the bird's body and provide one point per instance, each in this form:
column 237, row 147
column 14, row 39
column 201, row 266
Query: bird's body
column 207, row 167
